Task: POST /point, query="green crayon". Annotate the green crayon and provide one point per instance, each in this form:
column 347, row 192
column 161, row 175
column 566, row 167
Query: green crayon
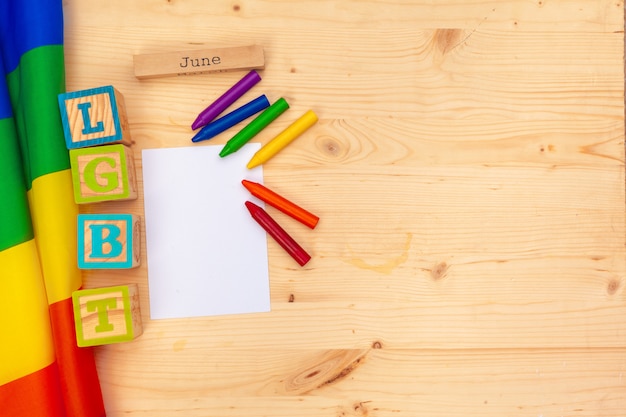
column 255, row 126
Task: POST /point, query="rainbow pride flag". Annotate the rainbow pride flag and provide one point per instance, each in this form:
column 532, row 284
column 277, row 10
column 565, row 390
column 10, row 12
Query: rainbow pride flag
column 42, row 371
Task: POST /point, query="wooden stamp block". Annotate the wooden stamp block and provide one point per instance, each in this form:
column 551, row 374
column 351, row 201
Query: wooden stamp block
column 199, row 61
column 92, row 117
column 109, row 241
column 107, row 315
column 103, row 173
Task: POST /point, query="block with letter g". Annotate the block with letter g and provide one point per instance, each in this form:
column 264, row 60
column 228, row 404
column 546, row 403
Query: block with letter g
column 103, row 173
column 108, row 241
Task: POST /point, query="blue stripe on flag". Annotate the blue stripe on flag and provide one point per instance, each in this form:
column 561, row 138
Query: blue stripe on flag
column 5, row 101
column 28, row 24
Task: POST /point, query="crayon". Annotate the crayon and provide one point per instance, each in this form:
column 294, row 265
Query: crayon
column 278, row 233
column 259, row 123
column 218, row 126
column 229, row 97
column 273, row 199
column 274, row 146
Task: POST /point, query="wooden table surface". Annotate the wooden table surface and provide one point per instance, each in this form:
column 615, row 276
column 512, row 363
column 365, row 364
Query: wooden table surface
column 468, row 169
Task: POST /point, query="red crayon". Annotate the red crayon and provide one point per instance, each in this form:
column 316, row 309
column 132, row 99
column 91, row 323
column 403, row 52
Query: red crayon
column 273, row 199
column 278, row 233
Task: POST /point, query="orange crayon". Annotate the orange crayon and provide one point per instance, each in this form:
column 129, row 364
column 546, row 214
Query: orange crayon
column 291, row 209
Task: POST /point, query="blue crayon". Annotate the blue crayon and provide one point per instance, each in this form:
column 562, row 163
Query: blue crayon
column 218, row 126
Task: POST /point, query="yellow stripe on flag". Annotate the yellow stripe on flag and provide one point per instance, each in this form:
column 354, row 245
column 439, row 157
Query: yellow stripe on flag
column 27, row 344
column 54, row 215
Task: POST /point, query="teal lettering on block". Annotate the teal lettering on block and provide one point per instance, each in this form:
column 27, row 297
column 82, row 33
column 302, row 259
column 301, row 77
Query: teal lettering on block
column 108, row 241
column 105, row 245
column 87, row 127
column 96, row 116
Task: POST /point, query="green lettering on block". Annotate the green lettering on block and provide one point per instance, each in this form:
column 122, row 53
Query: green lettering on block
column 102, row 306
column 103, row 173
column 106, row 315
column 110, row 177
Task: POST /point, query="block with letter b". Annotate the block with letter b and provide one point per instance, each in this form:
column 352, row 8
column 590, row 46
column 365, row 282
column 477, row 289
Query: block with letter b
column 103, row 173
column 107, row 315
column 108, row 241
column 96, row 116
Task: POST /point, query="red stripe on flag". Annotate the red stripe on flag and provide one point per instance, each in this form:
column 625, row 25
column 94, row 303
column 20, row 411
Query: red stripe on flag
column 78, row 374
column 37, row 394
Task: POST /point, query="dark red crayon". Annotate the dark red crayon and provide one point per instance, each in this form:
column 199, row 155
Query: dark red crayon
column 278, row 233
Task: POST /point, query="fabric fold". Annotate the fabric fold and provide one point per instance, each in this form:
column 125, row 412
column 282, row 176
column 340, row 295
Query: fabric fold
column 43, row 371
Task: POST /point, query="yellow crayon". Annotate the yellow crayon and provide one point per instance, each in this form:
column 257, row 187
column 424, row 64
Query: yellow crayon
column 284, row 138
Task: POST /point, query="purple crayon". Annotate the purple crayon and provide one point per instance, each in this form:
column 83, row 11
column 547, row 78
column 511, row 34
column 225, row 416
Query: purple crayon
column 226, row 99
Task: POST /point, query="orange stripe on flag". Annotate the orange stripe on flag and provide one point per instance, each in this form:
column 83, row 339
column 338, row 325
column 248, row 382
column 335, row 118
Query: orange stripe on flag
column 79, row 377
column 37, row 394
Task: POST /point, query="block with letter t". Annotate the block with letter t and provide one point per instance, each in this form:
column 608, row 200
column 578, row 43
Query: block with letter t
column 107, row 315
column 96, row 116
column 109, row 241
column 103, row 173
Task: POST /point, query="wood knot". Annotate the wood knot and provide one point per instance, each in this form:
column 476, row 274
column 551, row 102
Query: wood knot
column 330, row 146
column 613, row 286
column 447, row 39
column 292, row 298
column 439, row 271
column 312, row 374
column 327, row 369
column 377, row 345
column 361, row 408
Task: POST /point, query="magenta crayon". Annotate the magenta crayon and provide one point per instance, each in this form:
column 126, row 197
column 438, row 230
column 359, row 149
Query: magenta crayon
column 226, row 99
column 278, row 233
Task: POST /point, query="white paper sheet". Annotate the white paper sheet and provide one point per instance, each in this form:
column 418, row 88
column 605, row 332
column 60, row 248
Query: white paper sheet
column 206, row 255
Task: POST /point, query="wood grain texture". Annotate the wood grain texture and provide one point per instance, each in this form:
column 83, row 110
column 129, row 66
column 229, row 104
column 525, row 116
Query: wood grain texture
column 468, row 171
column 127, row 255
column 198, row 61
column 107, row 107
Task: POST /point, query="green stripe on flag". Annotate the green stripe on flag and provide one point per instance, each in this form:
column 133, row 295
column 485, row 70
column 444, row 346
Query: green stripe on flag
column 35, row 85
column 15, row 224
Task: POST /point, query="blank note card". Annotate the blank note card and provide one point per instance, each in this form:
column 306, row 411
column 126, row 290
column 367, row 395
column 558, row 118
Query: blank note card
column 206, row 255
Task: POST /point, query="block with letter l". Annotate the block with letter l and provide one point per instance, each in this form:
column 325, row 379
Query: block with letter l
column 108, row 241
column 103, row 173
column 95, row 116
column 107, row 315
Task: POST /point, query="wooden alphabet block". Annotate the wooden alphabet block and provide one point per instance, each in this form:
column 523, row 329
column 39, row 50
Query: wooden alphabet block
column 199, row 61
column 96, row 116
column 107, row 315
column 109, row 241
column 103, row 173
